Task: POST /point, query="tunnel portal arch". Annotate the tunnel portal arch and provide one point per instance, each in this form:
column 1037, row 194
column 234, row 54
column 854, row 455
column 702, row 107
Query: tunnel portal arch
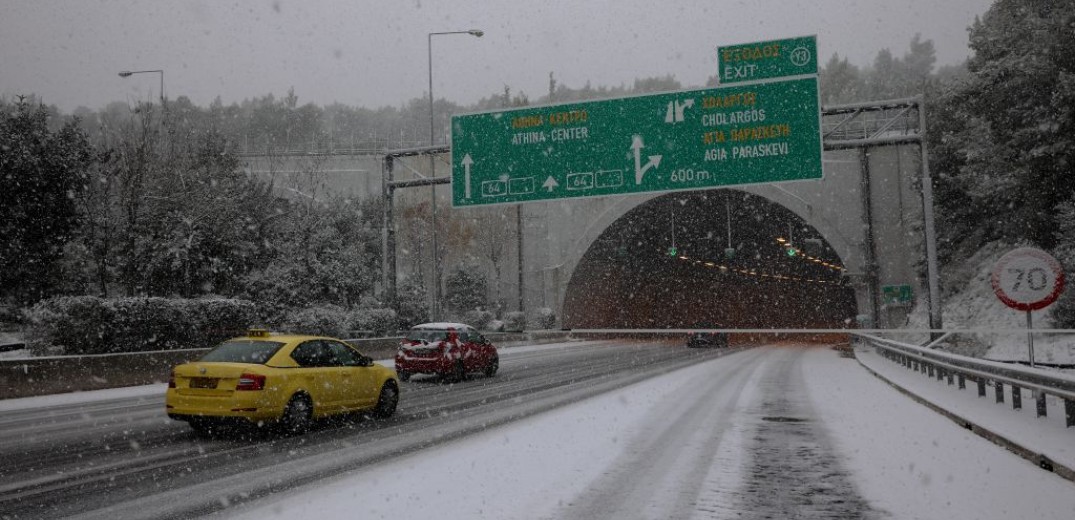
column 626, row 277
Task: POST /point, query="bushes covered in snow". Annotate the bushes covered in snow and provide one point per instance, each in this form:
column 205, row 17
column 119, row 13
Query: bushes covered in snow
column 544, row 318
column 514, row 321
column 336, row 321
column 479, row 318
column 92, row 325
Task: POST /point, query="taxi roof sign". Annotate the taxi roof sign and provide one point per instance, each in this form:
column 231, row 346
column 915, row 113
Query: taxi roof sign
column 257, row 333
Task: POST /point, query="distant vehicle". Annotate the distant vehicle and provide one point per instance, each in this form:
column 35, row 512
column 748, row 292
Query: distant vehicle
column 707, row 339
column 286, row 380
column 445, row 349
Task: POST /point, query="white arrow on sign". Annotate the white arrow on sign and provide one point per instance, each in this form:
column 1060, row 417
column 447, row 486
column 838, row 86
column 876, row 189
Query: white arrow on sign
column 640, row 170
column 467, row 161
column 676, row 109
column 550, row 184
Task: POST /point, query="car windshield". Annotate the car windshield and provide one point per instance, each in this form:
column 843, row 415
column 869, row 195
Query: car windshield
column 427, row 335
column 243, row 351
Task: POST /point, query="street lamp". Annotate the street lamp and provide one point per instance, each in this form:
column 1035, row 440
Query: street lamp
column 435, row 293
column 129, row 73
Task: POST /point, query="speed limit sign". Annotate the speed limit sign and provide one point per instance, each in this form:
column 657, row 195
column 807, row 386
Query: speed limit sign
column 1027, row 279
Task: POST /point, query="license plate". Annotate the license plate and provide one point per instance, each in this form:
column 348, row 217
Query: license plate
column 203, row 382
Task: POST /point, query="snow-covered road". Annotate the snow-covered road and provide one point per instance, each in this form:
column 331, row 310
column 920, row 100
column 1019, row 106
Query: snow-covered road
column 774, row 432
column 584, row 430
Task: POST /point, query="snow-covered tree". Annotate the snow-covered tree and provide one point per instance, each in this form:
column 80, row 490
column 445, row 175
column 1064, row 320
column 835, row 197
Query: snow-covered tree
column 1021, row 91
column 42, row 173
column 465, row 289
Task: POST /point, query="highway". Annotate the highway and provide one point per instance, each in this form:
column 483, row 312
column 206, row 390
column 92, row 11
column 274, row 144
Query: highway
column 771, row 431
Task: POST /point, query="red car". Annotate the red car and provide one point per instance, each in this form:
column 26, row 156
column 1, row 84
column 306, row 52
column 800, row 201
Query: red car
column 445, row 349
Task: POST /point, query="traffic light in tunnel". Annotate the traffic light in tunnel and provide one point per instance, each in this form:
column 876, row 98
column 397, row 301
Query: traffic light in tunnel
column 791, row 250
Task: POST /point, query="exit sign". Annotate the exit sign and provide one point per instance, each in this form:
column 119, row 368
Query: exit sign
column 767, row 60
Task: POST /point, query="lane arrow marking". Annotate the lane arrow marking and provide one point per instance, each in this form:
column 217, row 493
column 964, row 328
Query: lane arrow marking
column 550, row 184
column 640, row 170
column 467, row 162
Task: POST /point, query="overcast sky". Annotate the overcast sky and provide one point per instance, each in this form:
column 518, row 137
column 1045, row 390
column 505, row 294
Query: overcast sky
column 373, row 52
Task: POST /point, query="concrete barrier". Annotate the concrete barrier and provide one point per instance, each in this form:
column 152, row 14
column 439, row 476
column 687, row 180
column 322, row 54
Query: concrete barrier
column 60, row 374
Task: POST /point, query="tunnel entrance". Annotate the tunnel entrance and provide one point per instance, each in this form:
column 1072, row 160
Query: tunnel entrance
column 669, row 264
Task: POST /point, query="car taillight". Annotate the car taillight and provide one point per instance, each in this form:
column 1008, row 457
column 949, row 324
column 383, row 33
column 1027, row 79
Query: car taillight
column 171, row 380
column 251, row 382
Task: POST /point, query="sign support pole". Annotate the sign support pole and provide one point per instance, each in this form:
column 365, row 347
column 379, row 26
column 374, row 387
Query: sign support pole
column 519, row 245
column 1030, row 336
column 932, row 270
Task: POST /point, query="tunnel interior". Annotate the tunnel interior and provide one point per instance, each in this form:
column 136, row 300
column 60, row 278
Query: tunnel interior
column 669, row 263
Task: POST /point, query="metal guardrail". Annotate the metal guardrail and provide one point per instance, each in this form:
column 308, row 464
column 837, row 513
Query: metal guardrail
column 959, row 369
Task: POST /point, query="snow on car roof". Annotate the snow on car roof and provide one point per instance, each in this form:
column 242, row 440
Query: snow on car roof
column 441, row 326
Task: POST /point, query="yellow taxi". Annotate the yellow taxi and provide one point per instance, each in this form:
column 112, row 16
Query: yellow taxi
column 285, row 380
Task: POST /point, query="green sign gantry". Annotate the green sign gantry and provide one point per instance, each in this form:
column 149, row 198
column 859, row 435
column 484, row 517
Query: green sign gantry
column 767, row 60
column 695, row 139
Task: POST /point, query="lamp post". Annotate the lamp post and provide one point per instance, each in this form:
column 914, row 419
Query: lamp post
column 435, row 293
column 129, row 73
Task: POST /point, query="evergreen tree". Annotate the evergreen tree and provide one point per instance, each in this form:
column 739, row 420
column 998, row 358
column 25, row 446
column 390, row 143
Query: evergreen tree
column 841, row 82
column 1021, row 93
column 42, row 173
column 466, row 289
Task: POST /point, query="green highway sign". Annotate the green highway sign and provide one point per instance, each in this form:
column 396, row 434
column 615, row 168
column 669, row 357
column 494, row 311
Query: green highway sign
column 897, row 294
column 688, row 140
column 767, row 60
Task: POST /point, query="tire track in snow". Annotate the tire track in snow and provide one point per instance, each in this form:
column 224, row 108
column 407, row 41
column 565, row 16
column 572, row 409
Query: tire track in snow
column 790, row 469
column 665, row 464
column 744, row 444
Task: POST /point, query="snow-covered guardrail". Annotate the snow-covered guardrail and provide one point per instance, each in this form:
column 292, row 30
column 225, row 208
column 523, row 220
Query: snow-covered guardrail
column 958, row 369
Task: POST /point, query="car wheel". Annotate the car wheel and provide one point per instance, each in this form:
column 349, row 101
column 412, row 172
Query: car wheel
column 298, row 414
column 387, row 401
column 490, row 370
column 404, row 376
column 460, row 372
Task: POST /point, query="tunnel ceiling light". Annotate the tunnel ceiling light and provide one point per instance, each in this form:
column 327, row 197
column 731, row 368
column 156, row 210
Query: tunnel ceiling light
column 756, row 274
column 792, row 251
